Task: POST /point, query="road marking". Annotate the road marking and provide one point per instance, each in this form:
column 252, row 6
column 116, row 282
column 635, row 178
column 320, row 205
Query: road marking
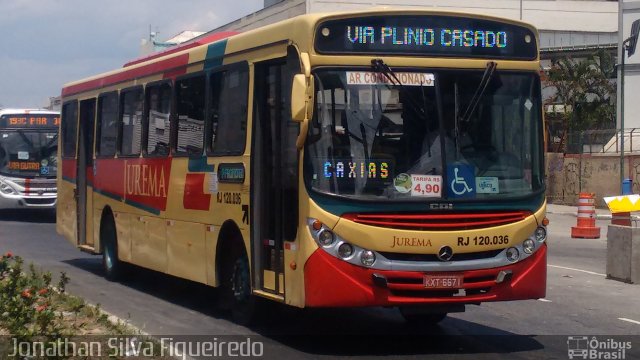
column 584, row 271
column 629, row 320
column 544, row 300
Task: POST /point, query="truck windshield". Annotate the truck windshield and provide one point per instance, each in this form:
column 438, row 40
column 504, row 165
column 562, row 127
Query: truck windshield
column 28, row 153
column 379, row 137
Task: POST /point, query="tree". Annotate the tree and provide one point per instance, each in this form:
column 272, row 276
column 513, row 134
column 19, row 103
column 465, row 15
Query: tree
column 585, row 89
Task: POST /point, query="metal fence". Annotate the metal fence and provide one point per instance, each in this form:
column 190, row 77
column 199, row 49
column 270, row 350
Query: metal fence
column 607, row 141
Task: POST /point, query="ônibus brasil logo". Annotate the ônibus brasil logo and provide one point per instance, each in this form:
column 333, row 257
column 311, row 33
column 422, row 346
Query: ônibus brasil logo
column 583, row 347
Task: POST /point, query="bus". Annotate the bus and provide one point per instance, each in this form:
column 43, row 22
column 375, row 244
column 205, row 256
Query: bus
column 381, row 158
column 28, row 158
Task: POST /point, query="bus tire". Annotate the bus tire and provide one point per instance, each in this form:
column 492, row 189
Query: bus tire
column 112, row 266
column 243, row 306
column 236, row 287
column 419, row 319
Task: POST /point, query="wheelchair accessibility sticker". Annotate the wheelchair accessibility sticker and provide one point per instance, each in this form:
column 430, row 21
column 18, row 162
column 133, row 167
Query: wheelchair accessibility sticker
column 461, row 181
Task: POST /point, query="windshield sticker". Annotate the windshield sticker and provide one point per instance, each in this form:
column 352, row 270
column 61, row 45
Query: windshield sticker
column 406, row 78
column 528, row 104
column 426, row 185
column 213, row 182
column 23, row 155
column 461, row 178
column 402, row 183
column 487, row 185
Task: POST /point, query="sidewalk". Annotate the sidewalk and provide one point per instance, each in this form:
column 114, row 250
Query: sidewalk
column 601, row 214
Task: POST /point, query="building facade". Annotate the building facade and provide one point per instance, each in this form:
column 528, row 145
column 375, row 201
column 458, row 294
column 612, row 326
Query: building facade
column 564, row 25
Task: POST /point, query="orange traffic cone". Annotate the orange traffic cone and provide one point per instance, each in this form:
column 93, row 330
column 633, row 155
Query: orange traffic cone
column 586, row 220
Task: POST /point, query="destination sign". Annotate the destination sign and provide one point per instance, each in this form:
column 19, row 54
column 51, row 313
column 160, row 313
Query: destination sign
column 429, row 35
column 231, row 173
column 30, row 121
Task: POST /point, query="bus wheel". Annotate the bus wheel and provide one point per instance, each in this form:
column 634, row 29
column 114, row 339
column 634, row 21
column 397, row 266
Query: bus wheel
column 243, row 306
column 422, row 319
column 110, row 263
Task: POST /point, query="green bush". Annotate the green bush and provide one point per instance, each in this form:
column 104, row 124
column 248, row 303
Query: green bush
column 26, row 300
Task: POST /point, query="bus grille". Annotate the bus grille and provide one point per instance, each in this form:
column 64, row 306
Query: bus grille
column 433, row 258
column 439, row 221
column 39, row 201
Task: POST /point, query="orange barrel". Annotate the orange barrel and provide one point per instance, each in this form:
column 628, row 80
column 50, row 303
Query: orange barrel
column 586, row 219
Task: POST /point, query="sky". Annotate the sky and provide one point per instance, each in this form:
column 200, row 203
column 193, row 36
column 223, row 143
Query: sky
column 47, row 43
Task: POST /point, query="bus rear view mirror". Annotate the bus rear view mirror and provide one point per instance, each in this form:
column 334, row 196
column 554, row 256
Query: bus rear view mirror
column 301, row 97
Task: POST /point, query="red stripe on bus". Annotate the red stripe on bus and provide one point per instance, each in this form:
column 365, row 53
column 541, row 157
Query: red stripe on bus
column 194, row 196
column 129, row 74
column 69, row 169
column 184, row 46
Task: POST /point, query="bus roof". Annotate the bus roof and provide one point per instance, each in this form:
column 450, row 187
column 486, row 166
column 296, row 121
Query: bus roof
column 12, row 111
column 299, row 30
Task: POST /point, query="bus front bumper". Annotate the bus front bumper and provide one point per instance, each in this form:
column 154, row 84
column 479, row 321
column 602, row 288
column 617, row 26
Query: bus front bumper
column 331, row 282
column 31, row 202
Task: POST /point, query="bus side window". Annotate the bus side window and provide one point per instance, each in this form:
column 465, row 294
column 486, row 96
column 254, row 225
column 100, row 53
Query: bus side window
column 131, row 104
column 190, row 109
column 69, row 129
column 107, row 129
column 228, row 116
column 158, row 111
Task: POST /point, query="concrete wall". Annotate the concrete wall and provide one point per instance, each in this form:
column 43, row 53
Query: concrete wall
column 568, row 175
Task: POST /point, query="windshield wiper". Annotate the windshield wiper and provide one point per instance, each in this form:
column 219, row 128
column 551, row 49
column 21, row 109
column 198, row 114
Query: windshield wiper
column 486, row 78
column 379, row 66
column 26, row 140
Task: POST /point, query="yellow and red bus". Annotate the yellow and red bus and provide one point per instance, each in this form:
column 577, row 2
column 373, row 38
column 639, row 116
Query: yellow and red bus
column 28, row 158
column 302, row 162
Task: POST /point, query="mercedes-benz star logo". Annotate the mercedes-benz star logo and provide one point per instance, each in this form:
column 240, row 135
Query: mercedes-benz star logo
column 445, row 253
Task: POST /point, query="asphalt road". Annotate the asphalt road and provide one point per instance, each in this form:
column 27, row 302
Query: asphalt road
column 580, row 301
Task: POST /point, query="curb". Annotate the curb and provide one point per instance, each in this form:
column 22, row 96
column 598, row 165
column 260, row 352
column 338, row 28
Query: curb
column 598, row 216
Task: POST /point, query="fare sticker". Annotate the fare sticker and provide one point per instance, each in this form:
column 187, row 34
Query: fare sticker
column 426, row 185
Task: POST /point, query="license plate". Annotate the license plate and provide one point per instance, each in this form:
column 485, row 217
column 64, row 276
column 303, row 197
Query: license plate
column 443, row 281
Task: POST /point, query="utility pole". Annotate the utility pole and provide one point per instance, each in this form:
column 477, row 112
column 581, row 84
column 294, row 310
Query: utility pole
column 628, row 49
column 521, row 9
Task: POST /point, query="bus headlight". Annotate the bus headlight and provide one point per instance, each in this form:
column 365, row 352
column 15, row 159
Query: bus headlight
column 6, row 189
column 528, row 246
column 367, row 258
column 326, row 238
column 541, row 234
column 345, row 250
column 513, row 254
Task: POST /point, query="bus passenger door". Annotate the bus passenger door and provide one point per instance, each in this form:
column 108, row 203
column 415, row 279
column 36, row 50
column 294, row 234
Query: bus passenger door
column 274, row 175
column 85, row 172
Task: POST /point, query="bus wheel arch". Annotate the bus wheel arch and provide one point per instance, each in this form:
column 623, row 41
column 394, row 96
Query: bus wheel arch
column 111, row 264
column 234, row 274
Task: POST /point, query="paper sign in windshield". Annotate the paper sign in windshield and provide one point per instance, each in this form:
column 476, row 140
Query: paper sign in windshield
column 487, row 185
column 426, row 185
column 406, row 78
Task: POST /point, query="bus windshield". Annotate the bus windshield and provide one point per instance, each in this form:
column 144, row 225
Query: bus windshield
column 377, row 135
column 28, row 153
